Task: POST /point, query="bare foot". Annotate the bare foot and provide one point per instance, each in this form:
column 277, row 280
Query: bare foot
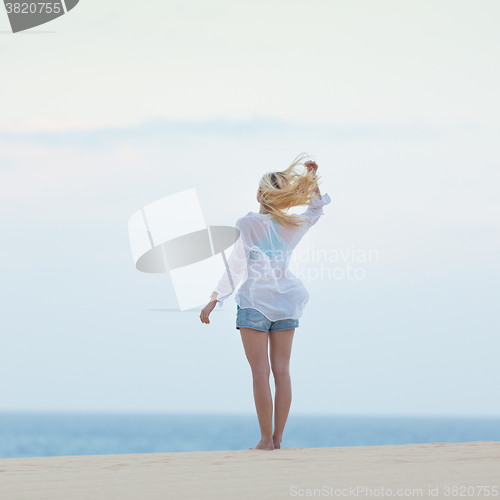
column 264, row 445
column 277, row 443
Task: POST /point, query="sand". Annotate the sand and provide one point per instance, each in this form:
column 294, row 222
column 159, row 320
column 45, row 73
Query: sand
column 409, row 471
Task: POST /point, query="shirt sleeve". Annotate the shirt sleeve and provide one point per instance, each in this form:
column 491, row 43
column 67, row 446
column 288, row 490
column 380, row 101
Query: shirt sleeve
column 236, row 269
column 315, row 209
column 312, row 214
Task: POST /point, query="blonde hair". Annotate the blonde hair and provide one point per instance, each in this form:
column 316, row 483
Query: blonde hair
column 289, row 188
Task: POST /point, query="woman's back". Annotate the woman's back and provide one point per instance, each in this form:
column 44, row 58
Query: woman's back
column 259, row 263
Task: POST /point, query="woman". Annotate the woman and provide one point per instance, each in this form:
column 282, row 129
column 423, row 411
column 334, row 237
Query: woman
column 271, row 299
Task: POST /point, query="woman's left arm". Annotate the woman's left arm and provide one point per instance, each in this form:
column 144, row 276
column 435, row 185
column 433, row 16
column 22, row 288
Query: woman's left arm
column 232, row 276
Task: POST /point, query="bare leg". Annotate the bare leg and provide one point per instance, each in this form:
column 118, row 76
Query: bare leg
column 255, row 343
column 281, row 348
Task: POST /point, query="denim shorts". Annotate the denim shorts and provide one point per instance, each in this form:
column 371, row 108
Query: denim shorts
column 251, row 318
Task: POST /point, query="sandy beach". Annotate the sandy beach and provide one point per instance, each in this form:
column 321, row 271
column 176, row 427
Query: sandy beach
column 424, row 470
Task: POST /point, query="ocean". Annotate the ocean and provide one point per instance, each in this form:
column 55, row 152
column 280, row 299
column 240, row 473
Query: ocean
column 45, row 435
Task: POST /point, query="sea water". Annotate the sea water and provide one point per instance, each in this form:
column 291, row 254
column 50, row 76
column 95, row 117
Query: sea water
column 44, row 435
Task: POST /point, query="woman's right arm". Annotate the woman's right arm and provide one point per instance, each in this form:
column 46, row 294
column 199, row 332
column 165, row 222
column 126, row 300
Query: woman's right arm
column 312, row 166
column 315, row 209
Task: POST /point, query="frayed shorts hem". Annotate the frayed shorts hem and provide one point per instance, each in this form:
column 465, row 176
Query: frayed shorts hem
column 273, row 330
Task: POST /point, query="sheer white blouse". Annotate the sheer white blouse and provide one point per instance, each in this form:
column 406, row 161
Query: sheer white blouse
column 258, row 265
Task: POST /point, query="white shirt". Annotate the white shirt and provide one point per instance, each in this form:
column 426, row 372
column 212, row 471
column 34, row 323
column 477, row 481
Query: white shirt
column 259, row 264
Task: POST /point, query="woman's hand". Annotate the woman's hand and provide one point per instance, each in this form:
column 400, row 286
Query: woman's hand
column 205, row 312
column 311, row 166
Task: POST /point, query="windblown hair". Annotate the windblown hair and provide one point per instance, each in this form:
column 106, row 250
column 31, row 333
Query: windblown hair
column 289, row 188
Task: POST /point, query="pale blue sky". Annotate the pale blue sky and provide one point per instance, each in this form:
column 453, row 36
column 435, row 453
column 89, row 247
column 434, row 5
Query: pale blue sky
column 119, row 107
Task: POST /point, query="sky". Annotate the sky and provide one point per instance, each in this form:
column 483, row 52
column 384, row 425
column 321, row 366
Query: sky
column 119, row 104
